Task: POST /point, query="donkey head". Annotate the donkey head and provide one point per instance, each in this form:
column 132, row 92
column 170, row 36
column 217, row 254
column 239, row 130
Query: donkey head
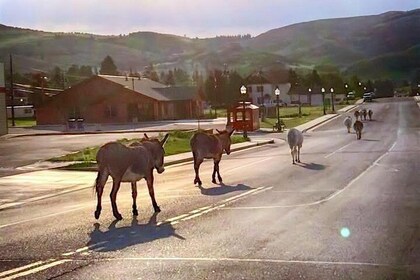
column 224, row 137
column 155, row 146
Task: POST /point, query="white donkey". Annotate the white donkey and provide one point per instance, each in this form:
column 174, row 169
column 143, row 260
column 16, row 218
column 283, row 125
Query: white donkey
column 295, row 140
column 347, row 123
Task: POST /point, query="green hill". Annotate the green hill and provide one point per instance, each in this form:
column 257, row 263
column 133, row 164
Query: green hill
column 356, row 45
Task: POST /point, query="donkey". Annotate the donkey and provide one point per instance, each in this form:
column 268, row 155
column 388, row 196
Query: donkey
column 209, row 146
column 347, row 123
column 357, row 115
column 358, row 127
column 295, row 140
column 128, row 164
column 364, row 114
column 370, row 113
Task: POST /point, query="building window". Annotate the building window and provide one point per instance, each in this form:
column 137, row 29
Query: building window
column 250, row 89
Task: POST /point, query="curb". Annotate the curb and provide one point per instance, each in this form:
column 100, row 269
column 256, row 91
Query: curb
column 173, row 162
column 9, row 136
column 322, row 122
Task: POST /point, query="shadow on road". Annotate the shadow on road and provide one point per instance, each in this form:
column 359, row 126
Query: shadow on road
column 373, row 140
column 312, row 166
column 223, row 189
column 116, row 238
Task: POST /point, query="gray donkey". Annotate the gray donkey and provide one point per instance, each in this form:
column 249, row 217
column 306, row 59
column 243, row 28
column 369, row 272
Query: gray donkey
column 204, row 145
column 295, row 140
column 347, row 123
column 128, row 164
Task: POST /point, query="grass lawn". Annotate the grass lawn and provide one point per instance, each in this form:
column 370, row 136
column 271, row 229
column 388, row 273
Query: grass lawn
column 290, row 116
column 178, row 142
column 22, row 122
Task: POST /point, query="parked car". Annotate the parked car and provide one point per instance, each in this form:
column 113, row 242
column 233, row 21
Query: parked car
column 350, row 95
column 367, row 97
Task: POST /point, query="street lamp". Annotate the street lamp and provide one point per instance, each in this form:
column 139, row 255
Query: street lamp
column 310, row 97
column 323, row 99
column 277, row 93
column 347, row 92
column 243, row 93
column 332, row 99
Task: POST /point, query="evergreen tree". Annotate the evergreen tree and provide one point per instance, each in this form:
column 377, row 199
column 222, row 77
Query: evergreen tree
column 108, row 66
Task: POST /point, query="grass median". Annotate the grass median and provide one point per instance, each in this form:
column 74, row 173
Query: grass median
column 178, row 142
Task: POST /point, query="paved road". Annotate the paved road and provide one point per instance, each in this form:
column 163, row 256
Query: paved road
column 18, row 152
column 348, row 211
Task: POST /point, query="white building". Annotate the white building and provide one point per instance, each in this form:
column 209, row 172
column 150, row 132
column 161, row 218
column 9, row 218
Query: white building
column 261, row 91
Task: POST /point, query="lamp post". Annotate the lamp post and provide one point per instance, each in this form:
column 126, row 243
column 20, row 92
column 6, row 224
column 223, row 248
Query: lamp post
column 323, row 99
column 277, row 93
column 332, row 99
column 243, row 93
column 310, row 97
column 347, row 92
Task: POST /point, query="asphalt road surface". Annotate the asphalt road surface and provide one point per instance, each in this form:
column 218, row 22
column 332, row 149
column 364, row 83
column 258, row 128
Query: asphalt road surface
column 350, row 210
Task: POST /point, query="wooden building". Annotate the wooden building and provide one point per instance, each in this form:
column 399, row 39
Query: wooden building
column 120, row 99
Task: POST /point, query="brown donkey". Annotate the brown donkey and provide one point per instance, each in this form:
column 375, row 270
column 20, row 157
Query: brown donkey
column 128, row 164
column 358, row 127
column 208, row 146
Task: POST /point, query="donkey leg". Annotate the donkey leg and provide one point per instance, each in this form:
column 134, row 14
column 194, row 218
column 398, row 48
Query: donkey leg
column 99, row 188
column 298, row 154
column 134, row 195
column 292, row 152
column 213, row 175
column 218, row 172
column 115, row 187
column 197, row 164
column 152, row 193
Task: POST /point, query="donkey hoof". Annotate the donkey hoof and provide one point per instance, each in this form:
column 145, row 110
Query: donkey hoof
column 214, row 181
column 97, row 214
column 157, row 209
column 118, row 216
column 135, row 212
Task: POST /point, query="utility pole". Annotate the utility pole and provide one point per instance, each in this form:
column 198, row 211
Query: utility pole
column 12, row 91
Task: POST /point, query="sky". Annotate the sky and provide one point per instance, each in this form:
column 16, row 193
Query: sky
column 191, row 18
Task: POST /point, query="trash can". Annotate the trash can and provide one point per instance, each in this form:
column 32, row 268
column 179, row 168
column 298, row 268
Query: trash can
column 71, row 124
column 80, row 125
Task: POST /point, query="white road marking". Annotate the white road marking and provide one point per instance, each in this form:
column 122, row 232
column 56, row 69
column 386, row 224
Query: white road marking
column 206, row 209
column 36, row 269
column 14, row 270
column 250, row 260
column 245, row 165
column 43, row 217
column 338, row 150
column 32, row 199
column 333, row 195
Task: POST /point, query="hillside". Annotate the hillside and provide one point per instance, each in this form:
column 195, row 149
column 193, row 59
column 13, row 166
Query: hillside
column 356, row 44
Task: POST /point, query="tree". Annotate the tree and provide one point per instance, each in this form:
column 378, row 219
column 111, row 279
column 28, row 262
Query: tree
column 108, row 66
column 57, row 77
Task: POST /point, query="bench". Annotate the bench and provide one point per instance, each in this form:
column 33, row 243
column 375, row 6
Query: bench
column 279, row 127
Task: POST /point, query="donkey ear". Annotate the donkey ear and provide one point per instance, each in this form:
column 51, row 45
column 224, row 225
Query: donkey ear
column 162, row 143
column 218, row 131
column 145, row 136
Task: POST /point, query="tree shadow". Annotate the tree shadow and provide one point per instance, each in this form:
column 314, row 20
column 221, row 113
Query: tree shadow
column 312, row 166
column 223, row 189
column 117, row 238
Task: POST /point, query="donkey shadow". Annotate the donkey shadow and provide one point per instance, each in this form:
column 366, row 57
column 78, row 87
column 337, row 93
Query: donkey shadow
column 312, row 166
column 122, row 237
column 223, row 189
